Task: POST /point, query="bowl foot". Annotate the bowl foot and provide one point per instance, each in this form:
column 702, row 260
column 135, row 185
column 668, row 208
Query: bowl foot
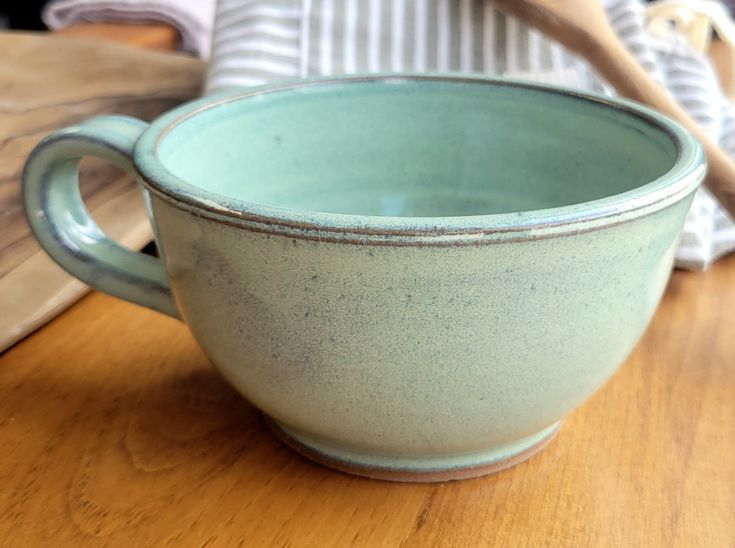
column 408, row 469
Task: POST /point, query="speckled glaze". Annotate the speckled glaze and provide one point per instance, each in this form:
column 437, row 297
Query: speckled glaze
column 327, row 245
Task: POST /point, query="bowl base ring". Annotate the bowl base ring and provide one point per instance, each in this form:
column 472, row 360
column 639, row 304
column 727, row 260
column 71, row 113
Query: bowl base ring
column 416, row 470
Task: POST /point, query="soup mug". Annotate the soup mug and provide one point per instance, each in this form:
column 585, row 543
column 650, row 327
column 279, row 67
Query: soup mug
column 413, row 277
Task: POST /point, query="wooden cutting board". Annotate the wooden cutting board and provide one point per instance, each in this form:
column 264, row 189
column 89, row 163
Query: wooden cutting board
column 49, row 82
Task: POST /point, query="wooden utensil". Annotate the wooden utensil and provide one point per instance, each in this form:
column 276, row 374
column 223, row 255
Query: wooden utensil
column 582, row 26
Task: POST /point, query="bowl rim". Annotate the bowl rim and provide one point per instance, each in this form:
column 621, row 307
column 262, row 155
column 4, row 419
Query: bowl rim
column 672, row 186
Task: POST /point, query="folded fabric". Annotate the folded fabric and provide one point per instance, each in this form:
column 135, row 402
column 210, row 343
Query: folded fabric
column 192, row 19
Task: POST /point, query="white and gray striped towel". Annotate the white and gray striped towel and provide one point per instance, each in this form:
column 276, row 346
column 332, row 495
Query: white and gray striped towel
column 259, row 41
column 192, row 18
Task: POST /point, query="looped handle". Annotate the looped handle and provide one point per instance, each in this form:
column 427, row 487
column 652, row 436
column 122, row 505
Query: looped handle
column 64, row 227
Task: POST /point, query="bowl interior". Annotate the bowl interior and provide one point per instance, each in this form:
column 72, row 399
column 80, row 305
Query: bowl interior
column 417, row 148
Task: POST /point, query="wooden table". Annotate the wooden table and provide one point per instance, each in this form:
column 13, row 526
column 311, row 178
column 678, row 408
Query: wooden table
column 116, row 431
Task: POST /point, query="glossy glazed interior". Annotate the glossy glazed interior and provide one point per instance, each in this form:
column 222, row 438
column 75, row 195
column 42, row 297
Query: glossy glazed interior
column 419, row 149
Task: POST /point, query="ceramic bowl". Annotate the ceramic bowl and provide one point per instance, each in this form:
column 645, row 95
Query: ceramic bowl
column 414, row 278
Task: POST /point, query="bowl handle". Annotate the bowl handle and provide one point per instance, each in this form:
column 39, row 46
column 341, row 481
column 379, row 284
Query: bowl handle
column 63, row 226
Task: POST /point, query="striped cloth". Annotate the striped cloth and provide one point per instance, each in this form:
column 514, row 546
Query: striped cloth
column 258, row 41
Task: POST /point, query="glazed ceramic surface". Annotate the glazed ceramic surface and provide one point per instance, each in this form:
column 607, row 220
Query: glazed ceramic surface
column 408, row 275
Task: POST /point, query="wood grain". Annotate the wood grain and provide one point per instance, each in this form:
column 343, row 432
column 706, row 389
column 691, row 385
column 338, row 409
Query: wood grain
column 48, row 83
column 118, row 432
column 38, row 289
column 152, row 36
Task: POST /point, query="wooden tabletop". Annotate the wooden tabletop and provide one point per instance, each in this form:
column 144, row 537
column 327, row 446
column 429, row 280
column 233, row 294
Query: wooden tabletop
column 118, row 432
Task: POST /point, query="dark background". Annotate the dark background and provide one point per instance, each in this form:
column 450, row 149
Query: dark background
column 22, row 14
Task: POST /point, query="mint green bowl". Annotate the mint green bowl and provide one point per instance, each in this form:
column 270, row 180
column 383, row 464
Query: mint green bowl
column 415, row 278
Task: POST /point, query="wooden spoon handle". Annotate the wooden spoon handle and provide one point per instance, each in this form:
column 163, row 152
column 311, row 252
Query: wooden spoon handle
column 623, row 71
